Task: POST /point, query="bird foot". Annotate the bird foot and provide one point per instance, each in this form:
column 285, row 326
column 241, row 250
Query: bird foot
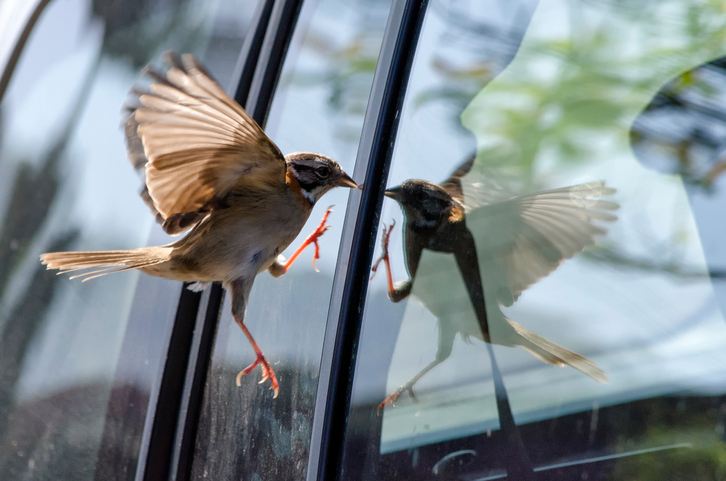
column 384, row 246
column 313, row 238
column 267, row 373
column 394, row 397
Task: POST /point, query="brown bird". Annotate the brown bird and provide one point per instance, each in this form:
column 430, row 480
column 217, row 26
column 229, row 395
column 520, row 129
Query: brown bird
column 210, row 168
column 500, row 249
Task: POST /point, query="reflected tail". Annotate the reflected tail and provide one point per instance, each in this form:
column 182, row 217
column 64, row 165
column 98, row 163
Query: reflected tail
column 551, row 353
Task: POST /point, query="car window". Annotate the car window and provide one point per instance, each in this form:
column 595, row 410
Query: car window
column 575, row 152
column 318, row 106
column 78, row 360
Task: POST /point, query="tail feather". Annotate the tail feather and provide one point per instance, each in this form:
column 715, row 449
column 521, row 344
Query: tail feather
column 108, row 261
column 551, row 353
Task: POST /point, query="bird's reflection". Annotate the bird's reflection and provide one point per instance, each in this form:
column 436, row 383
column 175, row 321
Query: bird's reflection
column 500, row 248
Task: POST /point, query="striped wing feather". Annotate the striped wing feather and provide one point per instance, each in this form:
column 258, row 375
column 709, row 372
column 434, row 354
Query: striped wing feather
column 528, row 237
column 200, row 143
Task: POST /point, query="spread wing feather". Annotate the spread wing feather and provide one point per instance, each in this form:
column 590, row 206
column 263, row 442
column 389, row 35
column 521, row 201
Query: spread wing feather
column 525, row 238
column 198, row 145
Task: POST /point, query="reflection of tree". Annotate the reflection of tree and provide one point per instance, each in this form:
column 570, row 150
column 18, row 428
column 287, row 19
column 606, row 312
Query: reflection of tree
column 348, row 73
column 135, row 30
column 472, row 51
column 591, row 88
column 30, row 202
column 683, row 129
column 33, row 195
column 597, row 84
column 572, row 99
column 20, row 329
column 347, row 70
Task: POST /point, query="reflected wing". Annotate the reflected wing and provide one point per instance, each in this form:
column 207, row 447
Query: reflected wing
column 525, row 238
column 452, row 185
column 474, row 189
column 198, row 145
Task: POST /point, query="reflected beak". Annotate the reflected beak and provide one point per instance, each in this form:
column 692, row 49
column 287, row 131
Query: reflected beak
column 345, row 181
column 392, row 192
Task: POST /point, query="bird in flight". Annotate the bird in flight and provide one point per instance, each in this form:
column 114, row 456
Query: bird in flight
column 500, row 248
column 211, row 169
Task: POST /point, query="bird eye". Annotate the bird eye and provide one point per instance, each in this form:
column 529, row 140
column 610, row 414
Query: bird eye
column 323, row 171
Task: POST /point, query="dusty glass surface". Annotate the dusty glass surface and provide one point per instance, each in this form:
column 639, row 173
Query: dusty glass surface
column 549, row 95
column 66, row 184
column 319, row 106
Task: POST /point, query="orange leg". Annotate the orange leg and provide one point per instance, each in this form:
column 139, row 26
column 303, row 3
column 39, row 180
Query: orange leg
column 312, row 239
column 386, row 260
column 267, row 372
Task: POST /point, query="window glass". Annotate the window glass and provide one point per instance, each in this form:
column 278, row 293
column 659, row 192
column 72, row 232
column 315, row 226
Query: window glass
column 66, row 184
column 625, row 101
column 319, row 106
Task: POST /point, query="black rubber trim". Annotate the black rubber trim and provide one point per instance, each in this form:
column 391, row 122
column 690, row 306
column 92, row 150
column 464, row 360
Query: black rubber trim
column 196, row 378
column 166, row 407
column 284, row 18
column 397, row 53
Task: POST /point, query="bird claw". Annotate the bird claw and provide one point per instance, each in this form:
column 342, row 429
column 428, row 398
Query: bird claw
column 313, row 238
column 267, row 373
column 389, row 400
column 384, row 246
column 394, row 397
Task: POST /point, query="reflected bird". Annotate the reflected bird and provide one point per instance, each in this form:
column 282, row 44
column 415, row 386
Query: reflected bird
column 500, row 248
column 210, row 168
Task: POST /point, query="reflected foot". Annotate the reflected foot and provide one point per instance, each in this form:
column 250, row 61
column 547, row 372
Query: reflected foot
column 267, row 373
column 384, row 247
column 394, row 397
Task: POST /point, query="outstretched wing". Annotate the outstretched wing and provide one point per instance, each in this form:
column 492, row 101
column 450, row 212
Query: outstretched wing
column 452, row 185
column 198, row 145
column 474, row 189
column 525, row 238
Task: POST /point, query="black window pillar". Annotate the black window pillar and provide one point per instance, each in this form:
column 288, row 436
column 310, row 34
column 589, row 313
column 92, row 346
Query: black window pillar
column 358, row 242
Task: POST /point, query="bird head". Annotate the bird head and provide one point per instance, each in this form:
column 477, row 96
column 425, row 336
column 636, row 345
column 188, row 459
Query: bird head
column 317, row 174
column 423, row 203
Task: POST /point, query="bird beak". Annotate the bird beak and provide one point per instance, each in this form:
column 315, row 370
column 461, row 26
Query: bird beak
column 345, row 181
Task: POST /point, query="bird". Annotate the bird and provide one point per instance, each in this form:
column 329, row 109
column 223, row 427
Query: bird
column 500, row 248
column 212, row 171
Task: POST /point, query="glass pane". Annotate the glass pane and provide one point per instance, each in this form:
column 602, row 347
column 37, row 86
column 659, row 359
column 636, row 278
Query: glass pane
column 589, row 219
column 319, row 106
column 66, row 184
